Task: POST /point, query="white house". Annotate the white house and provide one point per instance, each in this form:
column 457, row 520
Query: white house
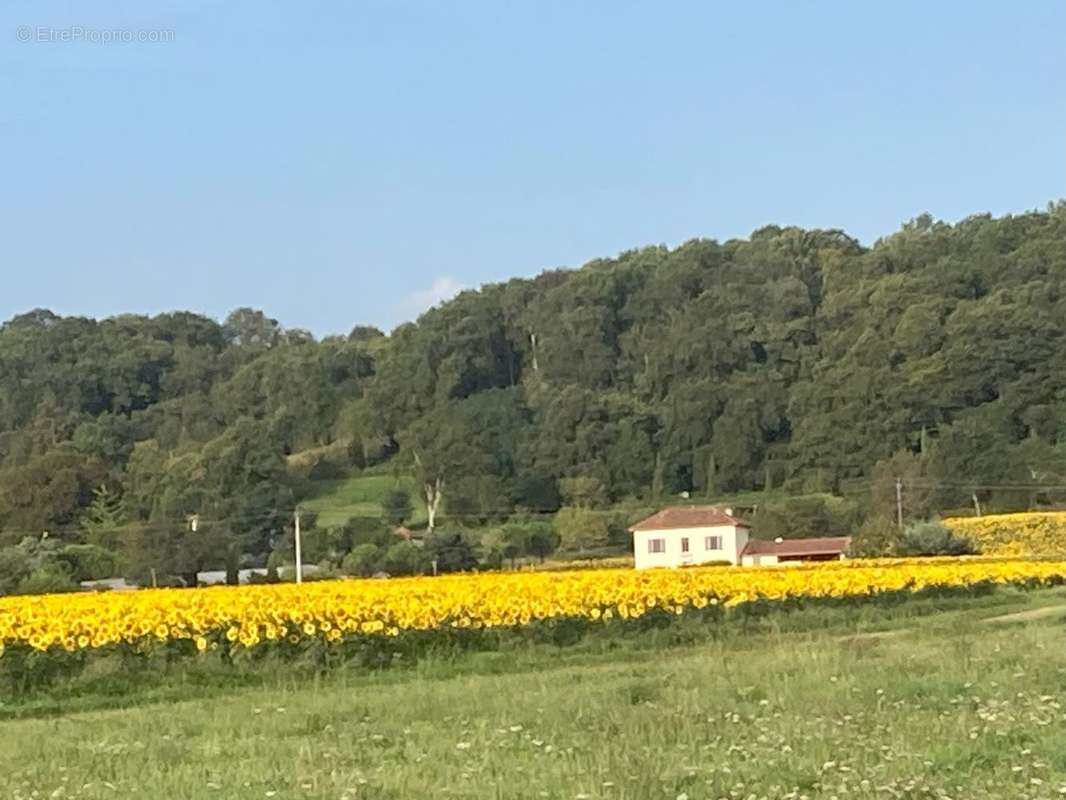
column 684, row 535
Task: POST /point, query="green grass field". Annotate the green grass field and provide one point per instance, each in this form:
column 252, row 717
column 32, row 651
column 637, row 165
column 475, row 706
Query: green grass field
column 934, row 698
column 337, row 501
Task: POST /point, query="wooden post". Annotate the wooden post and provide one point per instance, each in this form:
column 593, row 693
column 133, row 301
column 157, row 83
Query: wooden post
column 299, row 556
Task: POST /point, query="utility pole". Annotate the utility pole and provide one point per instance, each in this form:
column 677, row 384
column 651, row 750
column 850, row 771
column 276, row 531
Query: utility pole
column 899, row 503
column 299, row 561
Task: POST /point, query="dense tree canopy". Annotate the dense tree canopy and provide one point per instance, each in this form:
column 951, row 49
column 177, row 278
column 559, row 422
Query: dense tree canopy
column 794, row 360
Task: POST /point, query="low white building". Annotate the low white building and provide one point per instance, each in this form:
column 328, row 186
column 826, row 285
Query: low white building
column 795, row 551
column 683, row 535
column 686, row 535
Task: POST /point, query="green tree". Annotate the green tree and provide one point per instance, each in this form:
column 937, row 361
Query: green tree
column 543, row 540
column 396, row 506
column 583, row 491
column 104, row 519
column 453, row 550
column 515, row 541
column 581, row 528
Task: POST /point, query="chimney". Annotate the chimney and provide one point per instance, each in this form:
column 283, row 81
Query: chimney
column 778, row 540
column 729, row 512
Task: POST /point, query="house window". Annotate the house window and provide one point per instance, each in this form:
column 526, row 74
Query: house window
column 684, row 544
column 656, row 545
column 712, row 543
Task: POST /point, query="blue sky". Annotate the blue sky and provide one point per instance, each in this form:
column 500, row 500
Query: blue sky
column 342, row 163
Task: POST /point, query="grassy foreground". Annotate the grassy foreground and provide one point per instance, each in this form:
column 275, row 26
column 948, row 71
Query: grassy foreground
column 933, row 698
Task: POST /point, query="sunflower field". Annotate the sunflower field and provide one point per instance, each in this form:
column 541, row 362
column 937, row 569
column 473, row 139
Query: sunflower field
column 253, row 618
column 1030, row 533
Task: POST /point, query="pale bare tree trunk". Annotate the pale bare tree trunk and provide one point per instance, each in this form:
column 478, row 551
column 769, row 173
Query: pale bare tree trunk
column 433, row 489
column 533, row 347
column 657, row 476
column 433, row 498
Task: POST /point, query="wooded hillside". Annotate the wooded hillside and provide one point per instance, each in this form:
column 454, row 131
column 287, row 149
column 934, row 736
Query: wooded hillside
column 794, row 360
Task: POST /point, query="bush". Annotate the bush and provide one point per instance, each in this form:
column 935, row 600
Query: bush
column 363, row 561
column 403, row 558
column 47, row 580
column 875, row 538
column 717, row 562
column 37, row 566
column 12, row 568
column 932, row 539
column 87, row 562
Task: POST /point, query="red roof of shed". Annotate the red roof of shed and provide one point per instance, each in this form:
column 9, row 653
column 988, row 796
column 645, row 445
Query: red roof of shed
column 688, row 517
column 827, row 545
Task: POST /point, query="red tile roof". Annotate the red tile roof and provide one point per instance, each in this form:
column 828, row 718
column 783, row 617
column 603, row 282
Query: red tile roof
column 688, row 517
column 828, row 545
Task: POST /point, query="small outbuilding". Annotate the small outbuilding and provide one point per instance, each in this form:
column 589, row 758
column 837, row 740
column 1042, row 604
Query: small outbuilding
column 790, row 551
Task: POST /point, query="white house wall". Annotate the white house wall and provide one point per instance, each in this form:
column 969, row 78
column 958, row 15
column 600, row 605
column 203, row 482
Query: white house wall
column 760, row 560
column 734, row 538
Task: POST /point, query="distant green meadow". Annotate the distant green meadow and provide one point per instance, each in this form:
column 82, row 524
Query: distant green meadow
column 337, row 501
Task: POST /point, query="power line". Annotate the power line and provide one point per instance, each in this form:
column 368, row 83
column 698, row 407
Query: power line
column 987, row 486
column 283, row 515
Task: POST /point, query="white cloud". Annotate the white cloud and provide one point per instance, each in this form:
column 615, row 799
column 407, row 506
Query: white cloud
column 444, row 287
